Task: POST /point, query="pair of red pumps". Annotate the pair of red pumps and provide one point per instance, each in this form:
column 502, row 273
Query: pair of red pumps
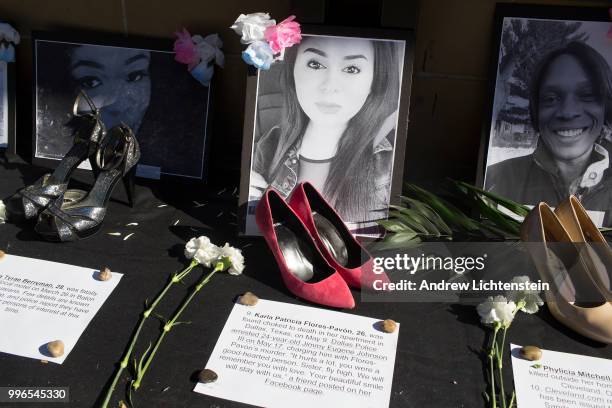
column 317, row 255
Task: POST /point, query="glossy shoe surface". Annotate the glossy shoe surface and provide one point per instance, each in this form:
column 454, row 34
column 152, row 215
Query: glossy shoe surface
column 333, row 238
column 116, row 158
column 589, row 239
column 574, row 299
column 303, row 268
column 28, row 202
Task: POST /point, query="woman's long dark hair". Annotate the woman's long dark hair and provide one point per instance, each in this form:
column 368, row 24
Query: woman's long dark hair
column 350, row 183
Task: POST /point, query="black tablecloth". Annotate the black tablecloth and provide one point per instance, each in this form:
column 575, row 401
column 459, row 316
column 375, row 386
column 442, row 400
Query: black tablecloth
column 438, row 356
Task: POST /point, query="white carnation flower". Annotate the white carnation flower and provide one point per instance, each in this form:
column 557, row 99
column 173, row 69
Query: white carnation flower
column 251, row 27
column 496, row 310
column 202, row 250
column 530, row 297
column 2, row 212
column 235, row 257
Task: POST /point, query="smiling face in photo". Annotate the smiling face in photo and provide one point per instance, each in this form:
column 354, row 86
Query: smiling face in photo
column 333, row 77
column 117, row 79
column 571, row 111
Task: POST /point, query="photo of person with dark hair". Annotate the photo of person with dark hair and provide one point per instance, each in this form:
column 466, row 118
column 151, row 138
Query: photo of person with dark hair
column 570, row 113
column 144, row 89
column 3, row 105
column 333, row 124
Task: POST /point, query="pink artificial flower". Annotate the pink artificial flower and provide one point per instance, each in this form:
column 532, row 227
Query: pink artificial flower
column 185, row 49
column 283, row 35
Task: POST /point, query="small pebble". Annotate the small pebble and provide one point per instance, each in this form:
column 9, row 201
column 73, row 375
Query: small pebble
column 207, row 376
column 2, row 254
column 56, row 348
column 389, row 326
column 105, row 274
column 531, row 353
column 248, row 299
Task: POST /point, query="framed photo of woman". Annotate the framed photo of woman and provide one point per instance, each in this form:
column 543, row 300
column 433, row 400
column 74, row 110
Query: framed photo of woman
column 549, row 131
column 7, row 107
column 134, row 81
column 333, row 112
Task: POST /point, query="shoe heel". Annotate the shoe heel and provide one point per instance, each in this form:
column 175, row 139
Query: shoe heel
column 129, row 182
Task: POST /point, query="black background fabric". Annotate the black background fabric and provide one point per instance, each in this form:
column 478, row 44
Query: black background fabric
column 438, row 360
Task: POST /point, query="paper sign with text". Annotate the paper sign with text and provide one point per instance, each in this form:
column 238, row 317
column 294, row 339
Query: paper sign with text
column 276, row 354
column 42, row 301
column 562, row 380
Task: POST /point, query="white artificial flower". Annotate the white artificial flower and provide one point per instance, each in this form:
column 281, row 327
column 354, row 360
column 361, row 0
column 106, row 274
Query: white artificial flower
column 251, row 27
column 235, row 257
column 2, row 212
column 496, row 310
column 530, row 297
column 9, row 34
column 202, row 250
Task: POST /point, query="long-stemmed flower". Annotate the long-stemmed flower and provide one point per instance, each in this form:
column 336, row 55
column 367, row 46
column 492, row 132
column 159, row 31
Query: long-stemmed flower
column 200, row 251
column 226, row 258
column 527, row 300
column 499, row 312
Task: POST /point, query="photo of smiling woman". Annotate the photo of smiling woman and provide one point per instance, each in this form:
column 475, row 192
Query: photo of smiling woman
column 570, row 112
column 145, row 89
column 327, row 114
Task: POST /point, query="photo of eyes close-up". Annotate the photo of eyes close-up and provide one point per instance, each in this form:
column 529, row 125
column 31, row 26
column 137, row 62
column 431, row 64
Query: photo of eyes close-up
column 327, row 114
column 144, row 89
column 551, row 127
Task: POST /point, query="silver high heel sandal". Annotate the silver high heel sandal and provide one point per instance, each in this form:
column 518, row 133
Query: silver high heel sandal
column 28, row 202
column 116, row 158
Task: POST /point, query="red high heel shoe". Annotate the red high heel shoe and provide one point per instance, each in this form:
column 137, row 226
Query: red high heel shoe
column 333, row 238
column 303, row 268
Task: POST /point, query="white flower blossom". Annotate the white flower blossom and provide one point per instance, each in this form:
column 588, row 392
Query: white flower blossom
column 530, row 297
column 202, row 250
column 251, row 27
column 2, row 212
column 496, row 310
column 235, row 257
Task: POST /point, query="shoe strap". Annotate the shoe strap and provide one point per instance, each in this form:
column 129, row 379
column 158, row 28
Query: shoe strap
column 40, row 194
column 118, row 150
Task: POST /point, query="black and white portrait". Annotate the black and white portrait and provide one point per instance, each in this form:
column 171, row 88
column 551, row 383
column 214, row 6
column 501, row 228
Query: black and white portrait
column 550, row 128
column 3, row 105
column 146, row 89
column 328, row 114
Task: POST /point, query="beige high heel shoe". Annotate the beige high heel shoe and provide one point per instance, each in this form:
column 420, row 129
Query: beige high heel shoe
column 573, row 299
column 589, row 239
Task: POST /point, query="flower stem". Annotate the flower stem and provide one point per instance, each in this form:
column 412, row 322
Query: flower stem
column 176, row 277
column 512, row 399
column 492, row 369
column 173, row 322
column 500, row 359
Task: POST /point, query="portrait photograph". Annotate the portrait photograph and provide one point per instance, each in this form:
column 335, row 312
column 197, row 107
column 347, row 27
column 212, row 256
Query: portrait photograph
column 550, row 126
column 144, row 88
column 328, row 114
column 4, row 129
